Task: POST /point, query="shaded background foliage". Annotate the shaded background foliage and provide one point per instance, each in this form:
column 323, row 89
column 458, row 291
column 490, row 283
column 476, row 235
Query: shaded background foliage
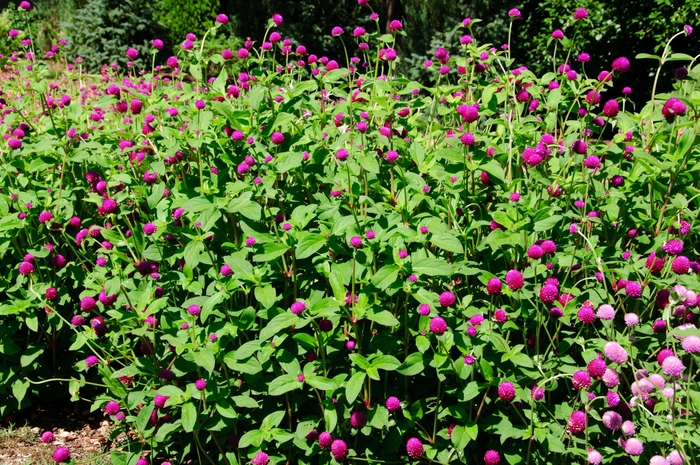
column 99, row 30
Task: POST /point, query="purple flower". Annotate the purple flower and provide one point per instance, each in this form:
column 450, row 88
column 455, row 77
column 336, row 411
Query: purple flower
column 356, row 242
column 581, row 380
column 633, row 289
column 438, row 325
column 672, row 108
column 581, row 13
column 447, row 299
column 339, row 449
column 414, row 448
column 112, row 408
column 395, row 25
column 691, row 344
column 514, row 280
column 577, row 422
column 194, row 310
column 325, row 440
column 549, row 293
column 336, row 31
column 634, row 446
column 393, row 404
column 494, row 286
column 160, row 400
column 132, row 53
column 277, row 138
column 47, row 437
column 672, row 366
column 558, row 34
column 200, row 384
column 606, row 312
column 492, row 457
column 621, row 65
column 149, row 228
column 325, row 325
column 222, row 19
column 537, row 393
column 611, row 108
column 515, row 13
column 62, row 454
column 615, row 352
column 261, row 458
column 298, row 307
column 506, row 391
column 358, row 420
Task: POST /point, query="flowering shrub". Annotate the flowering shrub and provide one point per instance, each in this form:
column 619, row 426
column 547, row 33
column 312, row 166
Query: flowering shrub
column 312, row 262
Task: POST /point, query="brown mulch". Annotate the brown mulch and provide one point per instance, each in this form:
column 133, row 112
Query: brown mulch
column 84, row 433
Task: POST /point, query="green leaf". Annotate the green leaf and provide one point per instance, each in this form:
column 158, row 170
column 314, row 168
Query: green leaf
column 273, row 420
column 641, row 56
column 254, row 437
column 494, row 170
column 354, row 386
column 470, row 391
column 245, row 402
column 288, row 161
column 522, row 360
column 31, row 354
column 414, row 364
column 196, row 205
column 384, row 318
column 432, row 267
column 266, row 295
column 156, row 195
column 277, row 324
column 386, row 276
column 385, row 362
column 271, row 250
column 309, row 245
column 219, row 84
column 459, row 437
column 282, row 384
column 336, row 282
column 205, row 359
column 189, row 416
column 19, row 389
column 256, row 96
column 196, row 72
column 486, row 370
column 547, row 223
column 322, row 383
column 360, row 361
column 143, row 417
column 448, row 242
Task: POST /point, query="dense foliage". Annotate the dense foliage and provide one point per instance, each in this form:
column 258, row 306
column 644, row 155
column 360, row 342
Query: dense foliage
column 309, row 260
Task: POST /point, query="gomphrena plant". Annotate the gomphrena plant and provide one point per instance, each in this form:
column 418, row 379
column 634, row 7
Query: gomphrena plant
column 318, row 260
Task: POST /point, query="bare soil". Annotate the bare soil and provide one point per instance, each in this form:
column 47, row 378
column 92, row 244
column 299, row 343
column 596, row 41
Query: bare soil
column 84, row 433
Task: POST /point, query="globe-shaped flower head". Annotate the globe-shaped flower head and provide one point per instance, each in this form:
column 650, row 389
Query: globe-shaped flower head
column 514, row 279
column 506, row 391
column 577, row 422
column 492, row 457
column 447, row 299
column 621, row 65
column 414, row 448
column 339, row 449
